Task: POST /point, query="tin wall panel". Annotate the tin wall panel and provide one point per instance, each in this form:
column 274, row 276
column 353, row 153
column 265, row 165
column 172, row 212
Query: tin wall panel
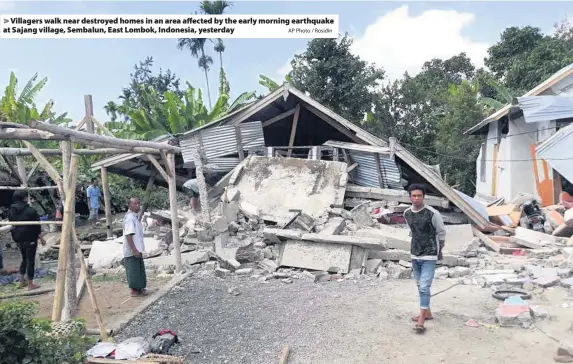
column 366, row 173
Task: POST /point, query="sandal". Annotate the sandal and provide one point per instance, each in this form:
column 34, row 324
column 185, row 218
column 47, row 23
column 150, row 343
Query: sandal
column 416, row 318
column 419, row 329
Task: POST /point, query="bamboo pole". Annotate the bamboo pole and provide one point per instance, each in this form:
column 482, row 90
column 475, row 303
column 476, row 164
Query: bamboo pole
column 88, row 139
column 70, row 306
column 159, row 168
column 110, row 151
column 107, row 201
column 174, row 212
column 26, row 223
column 13, row 188
column 89, row 285
column 27, row 134
column 285, row 354
column 68, row 222
column 102, row 127
column 22, row 171
column 54, row 174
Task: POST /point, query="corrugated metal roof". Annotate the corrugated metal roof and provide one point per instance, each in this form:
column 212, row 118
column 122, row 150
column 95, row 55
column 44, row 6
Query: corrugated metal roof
column 548, row 83
column 221, row 141
column 557, row 151
column 366, row 173
column 543, row 108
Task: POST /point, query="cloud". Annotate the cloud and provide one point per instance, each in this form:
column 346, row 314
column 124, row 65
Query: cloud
column 6, row 5
column 400, row 42
column 286, row 67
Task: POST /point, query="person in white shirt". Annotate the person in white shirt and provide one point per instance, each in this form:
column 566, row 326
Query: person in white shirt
column 133, row 248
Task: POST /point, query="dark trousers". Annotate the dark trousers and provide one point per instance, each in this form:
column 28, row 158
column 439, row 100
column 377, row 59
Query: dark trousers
column 28, row 265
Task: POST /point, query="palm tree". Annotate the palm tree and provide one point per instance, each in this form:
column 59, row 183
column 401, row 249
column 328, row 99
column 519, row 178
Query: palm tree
column 220, row 48
column 197, row 48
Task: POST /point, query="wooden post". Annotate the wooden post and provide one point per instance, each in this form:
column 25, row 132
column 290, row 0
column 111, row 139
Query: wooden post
column 146, row 195
column 107, row 201
column 379, row 171
column 293, row 129
column 239, row 142
column 68, row 222
column 89, row 106
column 53, row 172
column 174, row 213
column 91, row 292
column 203, row 195
column 70, row 305
column 22, row 171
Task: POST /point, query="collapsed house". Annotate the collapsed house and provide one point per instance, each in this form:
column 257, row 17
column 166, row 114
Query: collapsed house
column 294, row 172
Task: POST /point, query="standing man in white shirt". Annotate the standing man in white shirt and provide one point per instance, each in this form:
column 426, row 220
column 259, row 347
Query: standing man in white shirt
column 133, row 248
column 428, row 238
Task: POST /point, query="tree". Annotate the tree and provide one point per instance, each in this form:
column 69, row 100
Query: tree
column 524, row 57
column 136, row 94
column 197, row 48
column 457, row 158
column 564, row 31
column 332, row 75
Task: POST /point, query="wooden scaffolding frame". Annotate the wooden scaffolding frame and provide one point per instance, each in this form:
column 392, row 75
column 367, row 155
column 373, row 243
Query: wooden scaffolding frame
column 65, row 298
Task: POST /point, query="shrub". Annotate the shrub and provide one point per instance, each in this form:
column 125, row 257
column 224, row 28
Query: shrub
column 28, row 340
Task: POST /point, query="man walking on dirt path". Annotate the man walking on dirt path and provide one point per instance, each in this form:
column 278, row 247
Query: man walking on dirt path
column 428, row 238
column 133, row 249
column 93, row 193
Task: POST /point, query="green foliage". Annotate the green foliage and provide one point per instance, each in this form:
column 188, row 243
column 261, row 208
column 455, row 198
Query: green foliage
column 524, row 57
column 332, row 75
column 26, row 340
column 564, row 31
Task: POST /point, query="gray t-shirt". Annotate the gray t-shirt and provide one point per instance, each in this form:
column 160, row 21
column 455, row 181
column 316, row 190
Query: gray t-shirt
column 132, row 226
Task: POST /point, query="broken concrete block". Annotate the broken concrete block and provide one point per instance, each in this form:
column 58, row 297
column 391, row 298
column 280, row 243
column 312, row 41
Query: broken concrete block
column 230, row 210
column 391, row 255
column 233, row 194
column 268, row 265
column 302, row 222
column 405, row 263
column 320, row 277
column 248, row 253
column 513, row 315
column 564, row 272
column 220, row 225
column 453, row 260
column 280, row 275
column 222, row 273
column 357, row 257
column 316, row 256
column 334, row 226
column 244, row 271
column 396, row 271
column 249, row 210
column 277, row 236
column 234, row 291
column 539, row 312
column 393, row 238
column 458, row 272
column 233, row 227
column 204, row 234
column 211, row 265
column 233, row 263
column 361, row 216
column 441, row 273
column 546, row 281
column 372, row 265
column 567, row 282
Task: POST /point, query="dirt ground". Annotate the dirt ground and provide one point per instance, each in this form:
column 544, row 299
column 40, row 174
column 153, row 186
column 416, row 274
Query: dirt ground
column 344, row 322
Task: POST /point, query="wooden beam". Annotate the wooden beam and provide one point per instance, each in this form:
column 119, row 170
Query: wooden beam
column 334, row 124
column 102, row 127
column 351, row 168
column 379, row 171
column 158, row 167
column 87, row 138
column 71, row 304
column 293, row 129
column 26, row 223
column 22, row 188
column 54, row 174
column 203, row 194
column 279, row 117
column 88, row 152
column 89, row 285
column 33, row 170
column 239, row 142
column 174, row 213
column 80, row 124
column 68, row 222
column 89, row 107
column 21, row 166
column 27, row 134
column 107, row 202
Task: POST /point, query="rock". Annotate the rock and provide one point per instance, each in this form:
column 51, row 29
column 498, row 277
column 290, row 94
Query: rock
column 472, row 262
column 287, row 280
column 383, row 275
column 321, row 276
column 457, row 272
column 361, row 216
column 398, row 272
column 567, row 282
column 453, row 260
column 565, row 348
column 372, row 265
column 244, row 271
column 268, row 265
column 260, row 245
column 233, row 227
column 405, row 264
column 539, row 312
column 222, row 273
column 234, row 291
column 204, row 234
column 220, row 224
column 442, row 273
column 546, row 281
column 211, row 265
column 281, row 275
column 564, row 272
column 248, row 253
column 391, row 255
column 233, row 194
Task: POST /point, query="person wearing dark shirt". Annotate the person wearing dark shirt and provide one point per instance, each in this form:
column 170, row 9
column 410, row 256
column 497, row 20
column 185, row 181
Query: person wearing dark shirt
column 428, row 238
column 26, row 236
column 192, row 188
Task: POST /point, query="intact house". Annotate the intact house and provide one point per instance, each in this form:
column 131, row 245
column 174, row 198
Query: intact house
column 528, row 147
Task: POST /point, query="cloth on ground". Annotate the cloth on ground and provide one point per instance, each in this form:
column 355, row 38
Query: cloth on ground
column 15, row 277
